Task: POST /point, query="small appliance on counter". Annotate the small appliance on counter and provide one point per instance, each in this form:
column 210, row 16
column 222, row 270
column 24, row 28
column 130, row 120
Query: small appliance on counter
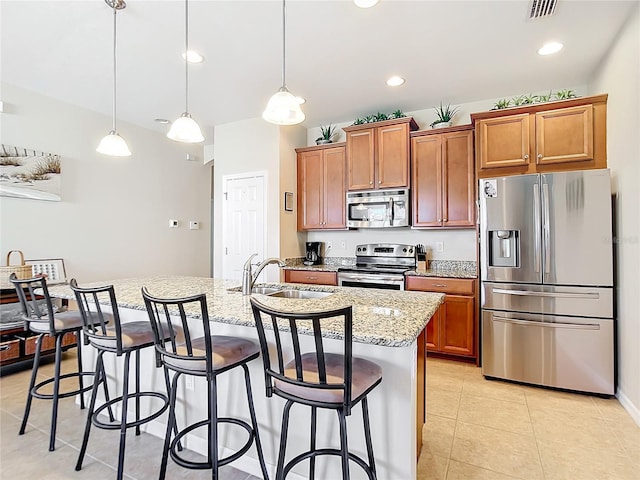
column 313, row 252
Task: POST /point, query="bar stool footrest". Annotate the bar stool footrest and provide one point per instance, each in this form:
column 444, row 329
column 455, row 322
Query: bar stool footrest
column 222, row 461
column 49, row 396
column 327, row 451
column 117, row 426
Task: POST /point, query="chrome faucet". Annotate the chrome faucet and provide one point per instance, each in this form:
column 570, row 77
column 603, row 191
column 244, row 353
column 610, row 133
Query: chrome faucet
column 249, row 277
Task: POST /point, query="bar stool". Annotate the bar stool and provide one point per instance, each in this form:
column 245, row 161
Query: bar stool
column 41, row 318
column 316, row 379
column 203, row 356
column 121, row 339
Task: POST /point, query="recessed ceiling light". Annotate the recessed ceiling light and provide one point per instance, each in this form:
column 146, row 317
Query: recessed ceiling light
column 365, row 3
column 301, row 100
column 395, row 81
column 192, row 56
column 161, row 120
column 550, row 48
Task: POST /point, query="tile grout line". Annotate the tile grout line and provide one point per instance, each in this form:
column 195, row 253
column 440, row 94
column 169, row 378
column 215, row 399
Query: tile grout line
column 535, row 437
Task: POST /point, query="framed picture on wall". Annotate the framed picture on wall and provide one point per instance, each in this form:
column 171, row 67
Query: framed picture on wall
column 288, row 201
column 27, row 173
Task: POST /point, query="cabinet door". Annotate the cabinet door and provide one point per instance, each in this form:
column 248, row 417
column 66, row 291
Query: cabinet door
column 334, row 190
column 503, row 141
column 433, row 332
column 564, row 135
column 426, row 158
column 310, row 190
column 360, row 159
column 458, row 180
column 457, row 326
column 393, row 156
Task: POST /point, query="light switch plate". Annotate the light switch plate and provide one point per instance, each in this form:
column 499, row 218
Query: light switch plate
column 439, row 246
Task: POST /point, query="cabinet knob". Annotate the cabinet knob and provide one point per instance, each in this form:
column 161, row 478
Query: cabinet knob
column 439, row 219
column 370, row 183
column 526, row 157
column 379, row 182
column 445, row 219
column 539, row 155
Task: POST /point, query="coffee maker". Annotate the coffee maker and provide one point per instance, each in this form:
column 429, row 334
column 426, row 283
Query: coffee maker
column 312, row 255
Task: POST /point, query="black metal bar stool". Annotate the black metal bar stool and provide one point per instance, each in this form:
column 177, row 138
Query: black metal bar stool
column 121, row 339
column 41, row 318
column 203, row 356
column 316, row 379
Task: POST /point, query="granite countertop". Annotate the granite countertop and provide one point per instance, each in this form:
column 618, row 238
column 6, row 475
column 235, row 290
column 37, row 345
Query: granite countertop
column 387, row 318
column 435, row 268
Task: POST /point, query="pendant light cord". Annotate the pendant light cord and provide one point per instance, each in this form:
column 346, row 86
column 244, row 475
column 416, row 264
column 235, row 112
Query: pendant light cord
column 284, row 56
column 115, row 9
column 186, row 54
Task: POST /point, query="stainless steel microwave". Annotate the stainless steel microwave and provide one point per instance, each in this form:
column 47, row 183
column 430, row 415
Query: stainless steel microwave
column 378, row 208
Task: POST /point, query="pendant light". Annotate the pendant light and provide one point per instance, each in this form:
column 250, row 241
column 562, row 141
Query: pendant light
column 283, row 107
column 185, row 129
column 113, row 144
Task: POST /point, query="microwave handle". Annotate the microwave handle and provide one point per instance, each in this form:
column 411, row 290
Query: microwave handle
column 391, row 216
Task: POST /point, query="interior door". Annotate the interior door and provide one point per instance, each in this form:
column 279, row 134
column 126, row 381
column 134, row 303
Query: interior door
column 244, row 222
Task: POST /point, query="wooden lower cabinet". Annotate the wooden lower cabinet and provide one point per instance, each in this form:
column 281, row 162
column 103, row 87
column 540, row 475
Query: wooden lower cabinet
column 453, row 328
column 311, row 276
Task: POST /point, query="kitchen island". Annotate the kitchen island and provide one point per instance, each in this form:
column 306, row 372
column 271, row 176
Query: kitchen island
column 388, row 328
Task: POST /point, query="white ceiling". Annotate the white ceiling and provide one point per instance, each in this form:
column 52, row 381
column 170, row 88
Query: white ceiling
column 338, row 55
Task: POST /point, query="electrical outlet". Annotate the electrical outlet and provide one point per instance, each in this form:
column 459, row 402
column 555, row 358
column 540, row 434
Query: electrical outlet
column 343, row 245
column 329, row 245
column 439, row 246
column 189, row 382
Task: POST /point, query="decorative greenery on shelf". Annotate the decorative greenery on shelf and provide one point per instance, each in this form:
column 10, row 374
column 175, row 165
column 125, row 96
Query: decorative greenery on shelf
column 326, row 133
column 521, row 100
column 444, row 114
column 379, row 117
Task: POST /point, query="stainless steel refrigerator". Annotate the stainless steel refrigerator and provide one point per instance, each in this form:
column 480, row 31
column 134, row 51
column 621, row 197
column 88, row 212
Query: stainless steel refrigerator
column 547, row 280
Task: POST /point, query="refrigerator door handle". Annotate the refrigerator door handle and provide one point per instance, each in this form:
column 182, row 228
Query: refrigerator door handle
column 590, row 295
column 575, row 326
column 546, row 228
column 536, row 222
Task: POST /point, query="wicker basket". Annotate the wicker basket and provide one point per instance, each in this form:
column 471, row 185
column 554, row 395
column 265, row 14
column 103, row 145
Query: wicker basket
column 21, row 271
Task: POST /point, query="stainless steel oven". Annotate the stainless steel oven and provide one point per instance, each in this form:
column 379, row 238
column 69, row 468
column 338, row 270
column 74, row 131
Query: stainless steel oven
column 379, row 265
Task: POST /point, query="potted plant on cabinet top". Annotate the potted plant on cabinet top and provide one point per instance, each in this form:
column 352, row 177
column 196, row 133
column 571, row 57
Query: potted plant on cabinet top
column 443, row 116
column 326, row 134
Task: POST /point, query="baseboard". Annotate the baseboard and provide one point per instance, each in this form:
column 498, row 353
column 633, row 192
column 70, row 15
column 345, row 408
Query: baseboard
column 628, row 405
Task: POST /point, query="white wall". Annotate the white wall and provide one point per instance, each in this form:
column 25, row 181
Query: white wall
column 113, row 219
column 619, row 76
column 250, row 146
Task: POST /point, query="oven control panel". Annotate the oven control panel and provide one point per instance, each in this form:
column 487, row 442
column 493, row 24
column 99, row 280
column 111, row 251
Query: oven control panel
column 385, row 250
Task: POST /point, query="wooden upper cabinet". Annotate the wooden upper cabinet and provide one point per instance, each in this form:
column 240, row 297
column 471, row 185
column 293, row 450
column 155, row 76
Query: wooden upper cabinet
column 321, row 187
column 361, row 159
column 546, row 137
column 503, row 141
column 564, row 135
column 393, row 156
column 378, row 154
column 443, row 178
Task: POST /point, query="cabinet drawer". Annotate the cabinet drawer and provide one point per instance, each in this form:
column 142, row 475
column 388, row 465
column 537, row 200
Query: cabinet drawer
column 9, row 349
column 453, row 286
column 48, row 343
column 313, row 277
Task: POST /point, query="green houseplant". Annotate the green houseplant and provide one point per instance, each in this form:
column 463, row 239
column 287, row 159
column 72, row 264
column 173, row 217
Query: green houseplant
column 326, row 134
column 444, row 115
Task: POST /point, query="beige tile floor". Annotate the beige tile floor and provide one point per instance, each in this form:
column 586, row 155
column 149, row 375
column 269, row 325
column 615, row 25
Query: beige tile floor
column 476, row 429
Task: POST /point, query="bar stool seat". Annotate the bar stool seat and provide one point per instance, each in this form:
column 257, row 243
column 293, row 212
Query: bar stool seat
column 205, row 356
column 317, row 379
column 41, row 317
column 122, row 339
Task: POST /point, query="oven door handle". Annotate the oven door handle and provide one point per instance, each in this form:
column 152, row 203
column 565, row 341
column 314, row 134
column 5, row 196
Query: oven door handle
column 372, row 277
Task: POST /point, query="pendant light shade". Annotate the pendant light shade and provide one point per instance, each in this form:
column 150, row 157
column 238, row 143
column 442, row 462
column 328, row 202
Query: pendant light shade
column 185, row 129
column 283, row 107
column 113, row 144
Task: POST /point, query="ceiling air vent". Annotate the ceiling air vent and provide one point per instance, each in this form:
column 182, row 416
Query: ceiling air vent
column 542, row 8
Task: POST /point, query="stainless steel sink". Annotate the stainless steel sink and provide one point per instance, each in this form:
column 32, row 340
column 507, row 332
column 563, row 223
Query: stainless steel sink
column 299, row 294
column 265, row 290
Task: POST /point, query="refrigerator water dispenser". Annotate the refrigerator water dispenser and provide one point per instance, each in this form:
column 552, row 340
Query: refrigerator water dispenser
column 503, row 248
